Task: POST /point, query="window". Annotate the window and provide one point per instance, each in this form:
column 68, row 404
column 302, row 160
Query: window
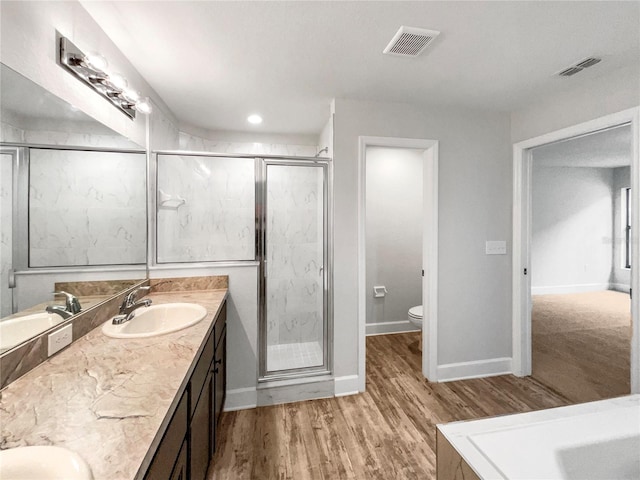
column 626, row 192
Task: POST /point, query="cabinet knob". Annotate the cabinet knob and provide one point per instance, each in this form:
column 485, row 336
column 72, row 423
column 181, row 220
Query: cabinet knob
column 218, row 362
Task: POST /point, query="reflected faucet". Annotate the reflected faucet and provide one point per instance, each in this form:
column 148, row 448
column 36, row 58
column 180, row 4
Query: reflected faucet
column 60, row 310
column 70, row 308
column 129, row 305
column 72, row 304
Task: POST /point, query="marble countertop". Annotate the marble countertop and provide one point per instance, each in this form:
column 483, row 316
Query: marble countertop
column 106, row 398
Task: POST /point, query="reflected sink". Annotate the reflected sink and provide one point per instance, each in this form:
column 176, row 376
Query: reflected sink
column 157, row 320
column 16, row 330
column 43, row 463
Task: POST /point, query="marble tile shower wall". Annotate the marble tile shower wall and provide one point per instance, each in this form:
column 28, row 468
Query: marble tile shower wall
column 193, row 143
column 6, row 204
column 86, row 208
column 294, row 255
column 216, row 222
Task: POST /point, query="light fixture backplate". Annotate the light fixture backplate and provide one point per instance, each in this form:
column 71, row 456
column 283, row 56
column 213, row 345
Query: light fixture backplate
column 72, row 59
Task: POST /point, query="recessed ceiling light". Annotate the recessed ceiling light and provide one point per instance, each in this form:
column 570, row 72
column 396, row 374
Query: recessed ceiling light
column 255, row 119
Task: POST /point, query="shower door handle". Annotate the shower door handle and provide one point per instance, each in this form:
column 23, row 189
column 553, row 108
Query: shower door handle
column 321, row 270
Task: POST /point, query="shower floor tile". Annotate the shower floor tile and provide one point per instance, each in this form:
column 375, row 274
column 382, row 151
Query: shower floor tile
column 294, row 355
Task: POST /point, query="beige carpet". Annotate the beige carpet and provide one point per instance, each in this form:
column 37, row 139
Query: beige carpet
column 581, row 344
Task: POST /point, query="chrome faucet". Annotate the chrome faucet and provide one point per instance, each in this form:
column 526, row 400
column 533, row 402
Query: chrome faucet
column 70, row 308
column 129, row 305
column 59, row 310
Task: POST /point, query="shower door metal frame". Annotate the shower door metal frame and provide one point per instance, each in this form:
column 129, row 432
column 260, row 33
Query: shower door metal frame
column 327, row 268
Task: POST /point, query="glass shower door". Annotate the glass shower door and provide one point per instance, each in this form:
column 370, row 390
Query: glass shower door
column 294, row 292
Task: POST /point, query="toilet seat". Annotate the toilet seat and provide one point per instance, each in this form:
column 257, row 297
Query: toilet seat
column 416, row 312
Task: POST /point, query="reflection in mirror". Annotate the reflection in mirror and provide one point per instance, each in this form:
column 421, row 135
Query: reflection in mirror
column 72, row 211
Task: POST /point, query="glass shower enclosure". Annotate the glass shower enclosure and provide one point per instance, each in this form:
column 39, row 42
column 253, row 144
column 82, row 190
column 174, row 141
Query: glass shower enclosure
column 268, row 212
column 293, row 216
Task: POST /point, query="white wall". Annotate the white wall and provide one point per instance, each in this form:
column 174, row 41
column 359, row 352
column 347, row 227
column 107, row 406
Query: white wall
column 193, row 143
column 621, row 278
column 572, row 227
column 600, row 96
column 474, row 301
column 393, row 235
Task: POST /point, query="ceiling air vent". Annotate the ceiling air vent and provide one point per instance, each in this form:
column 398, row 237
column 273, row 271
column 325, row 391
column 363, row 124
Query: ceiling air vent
column 588, row 62
column 578, row 67
column 569, row 71
column 410, row 41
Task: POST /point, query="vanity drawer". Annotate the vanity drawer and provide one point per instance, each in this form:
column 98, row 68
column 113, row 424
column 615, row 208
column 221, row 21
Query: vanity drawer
column 169, row 449
column 201, row 371
column 221, row 323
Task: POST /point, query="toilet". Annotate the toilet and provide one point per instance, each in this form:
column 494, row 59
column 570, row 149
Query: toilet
column 415, row 317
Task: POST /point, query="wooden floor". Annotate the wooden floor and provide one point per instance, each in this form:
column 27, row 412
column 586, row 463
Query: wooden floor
column 386, row 433
column 581, row 344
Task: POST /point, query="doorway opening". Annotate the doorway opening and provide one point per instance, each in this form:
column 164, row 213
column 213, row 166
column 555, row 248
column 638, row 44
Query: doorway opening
column 580, row 268
column 542, row 258
column 397, row 240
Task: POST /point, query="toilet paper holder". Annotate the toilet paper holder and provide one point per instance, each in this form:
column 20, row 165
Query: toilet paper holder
column 379, row 291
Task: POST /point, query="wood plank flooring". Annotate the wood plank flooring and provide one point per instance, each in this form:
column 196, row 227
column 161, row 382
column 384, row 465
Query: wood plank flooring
column 386, row 433
column 581, row 344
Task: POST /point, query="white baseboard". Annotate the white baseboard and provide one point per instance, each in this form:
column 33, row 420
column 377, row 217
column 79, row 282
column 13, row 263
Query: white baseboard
column 476, row 369
column 347, row 385
column 620, row 287
column 390, row 327
column 241, row 399
column 578, row 288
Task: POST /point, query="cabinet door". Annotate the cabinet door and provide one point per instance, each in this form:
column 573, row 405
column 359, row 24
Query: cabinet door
column 201, row 433
column 180, row 469
column 220, row 386
column 169, row 449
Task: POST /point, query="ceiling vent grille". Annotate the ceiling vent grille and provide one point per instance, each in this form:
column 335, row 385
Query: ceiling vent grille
column 410, row 41
column 578, row 67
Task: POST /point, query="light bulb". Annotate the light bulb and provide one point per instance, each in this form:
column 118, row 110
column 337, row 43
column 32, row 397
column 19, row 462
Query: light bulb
column 254, row 119
column 96, row 61
column 131, row 95
column 144, row 106
column 118, row 81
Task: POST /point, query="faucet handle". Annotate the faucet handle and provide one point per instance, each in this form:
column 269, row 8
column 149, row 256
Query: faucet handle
column 131, row 296
column 72, row 304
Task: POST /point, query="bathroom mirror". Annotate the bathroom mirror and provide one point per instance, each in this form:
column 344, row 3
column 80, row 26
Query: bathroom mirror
column 72, row 208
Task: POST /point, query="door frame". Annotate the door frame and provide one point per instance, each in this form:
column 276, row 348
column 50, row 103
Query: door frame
column 262, row 164
column 429, row 250
column 522, row 221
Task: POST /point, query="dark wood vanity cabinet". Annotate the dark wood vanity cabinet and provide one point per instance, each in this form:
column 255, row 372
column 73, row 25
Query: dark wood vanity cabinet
column 190, row 439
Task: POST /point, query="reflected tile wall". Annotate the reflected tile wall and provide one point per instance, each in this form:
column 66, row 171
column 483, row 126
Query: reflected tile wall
column 86, row 208
column 294, row 254
column 216, row 220
column 6, row 204
column 197, row 144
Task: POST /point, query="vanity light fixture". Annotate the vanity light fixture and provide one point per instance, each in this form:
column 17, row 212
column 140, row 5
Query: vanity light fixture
column 91, row 70
column 254, row 119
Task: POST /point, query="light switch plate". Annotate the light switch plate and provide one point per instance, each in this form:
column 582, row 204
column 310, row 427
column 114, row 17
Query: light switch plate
column 496, row 247
column 60, row 339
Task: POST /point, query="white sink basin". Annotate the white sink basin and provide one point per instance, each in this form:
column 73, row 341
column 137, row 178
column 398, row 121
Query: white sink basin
column 157, row 320
column 43, row 463
column 16, row 330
